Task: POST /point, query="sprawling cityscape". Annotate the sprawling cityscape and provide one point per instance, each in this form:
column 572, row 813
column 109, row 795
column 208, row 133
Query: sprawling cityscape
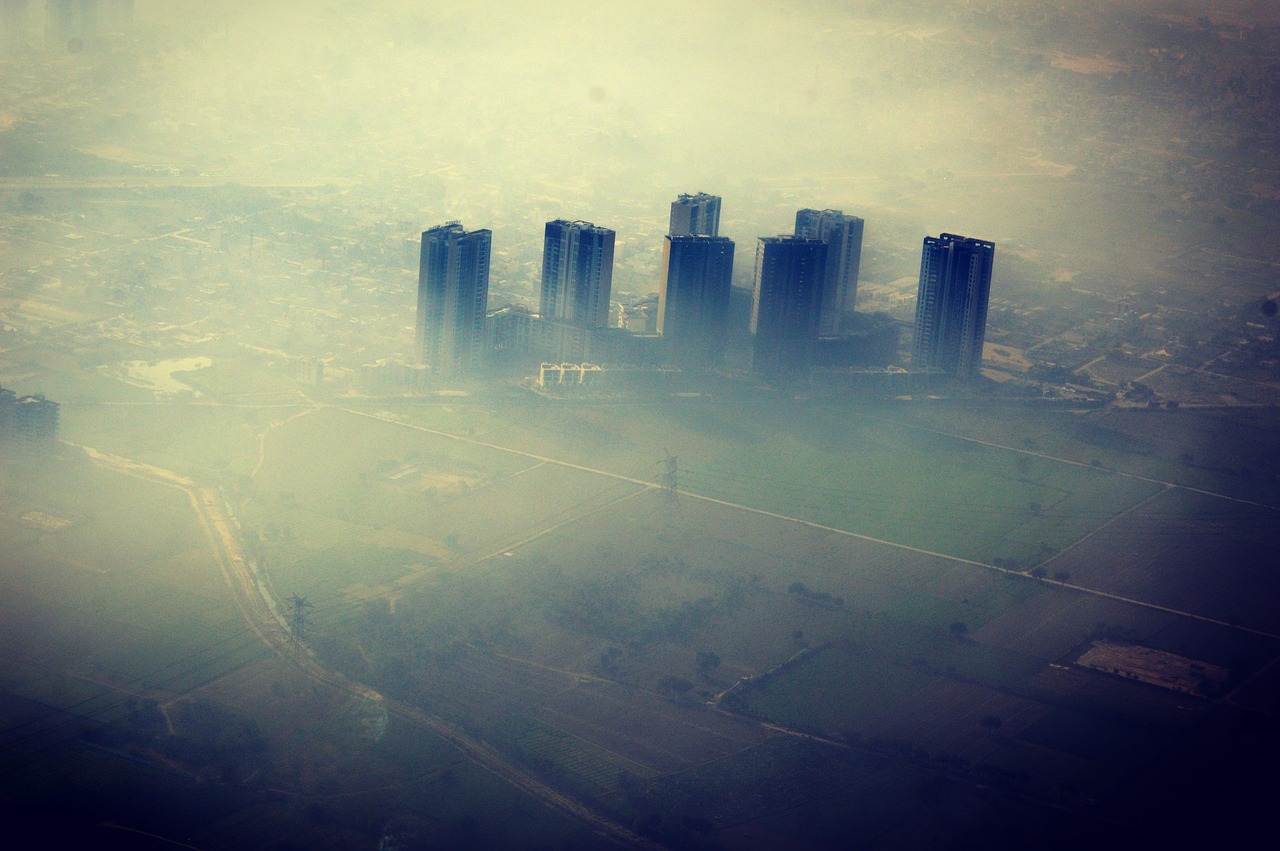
column 578, row 426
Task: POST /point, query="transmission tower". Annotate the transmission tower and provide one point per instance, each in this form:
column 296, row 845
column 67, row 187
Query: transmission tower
column 671, row 477
column 298, row 609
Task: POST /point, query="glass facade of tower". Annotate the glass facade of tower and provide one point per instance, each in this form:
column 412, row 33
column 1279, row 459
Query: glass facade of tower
column 453, row 294
column 693, row 300
column 577, row 273
column 790, row 276
column 695, row 215
column 843, row 236
column 951, row 304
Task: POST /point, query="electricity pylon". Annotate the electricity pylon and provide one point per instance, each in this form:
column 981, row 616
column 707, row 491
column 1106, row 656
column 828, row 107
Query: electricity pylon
column 298, row 609
column 671, row 477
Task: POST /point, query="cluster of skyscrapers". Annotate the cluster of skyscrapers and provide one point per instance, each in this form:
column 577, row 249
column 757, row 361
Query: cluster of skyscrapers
column 805, row 284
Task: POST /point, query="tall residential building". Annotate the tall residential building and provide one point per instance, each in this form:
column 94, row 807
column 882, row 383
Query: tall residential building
column 843, row 236
column 951, row 307
column 453, row 293
column 695, row 215
column 791, row 273
column 693, row 301
column 577, row 273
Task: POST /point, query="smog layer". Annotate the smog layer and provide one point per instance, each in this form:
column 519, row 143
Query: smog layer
column 271, row 587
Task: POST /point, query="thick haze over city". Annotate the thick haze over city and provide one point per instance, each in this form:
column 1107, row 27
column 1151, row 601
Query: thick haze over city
column 928, row 116
column 272, row 576
column 508, row 114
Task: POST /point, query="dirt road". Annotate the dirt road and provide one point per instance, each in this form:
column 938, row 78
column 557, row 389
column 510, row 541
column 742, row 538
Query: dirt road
column 262, row 613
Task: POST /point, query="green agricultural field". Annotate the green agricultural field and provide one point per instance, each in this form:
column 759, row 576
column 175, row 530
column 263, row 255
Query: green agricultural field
column 879, row 672
column 781, row 773
column 134, row 561
column 609, row 580
column 588, row 768
column 1229, row 451
column 235, row 377
column 346, row 466
column 1107, row 738
column 849, row 470
column 111, row 598
column 829, row 690
column 923, row 490
column 1189, row 551
column 325, row 573
column 200, row 440
column 331, row 476
column 507, row 568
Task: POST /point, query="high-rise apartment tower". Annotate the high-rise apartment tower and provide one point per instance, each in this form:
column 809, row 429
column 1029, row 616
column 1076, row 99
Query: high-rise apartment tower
column 790, row 275
column 577, row 273
column 453, row 293
column 693, row 300
column 695, row 215
column 951, row 307
column 843, row 237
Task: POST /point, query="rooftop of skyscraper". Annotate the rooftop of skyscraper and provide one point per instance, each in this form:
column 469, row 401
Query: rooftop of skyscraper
column 582, row 225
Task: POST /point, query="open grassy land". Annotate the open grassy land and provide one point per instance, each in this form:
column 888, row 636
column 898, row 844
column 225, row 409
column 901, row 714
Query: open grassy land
column 1231, row 451
column 583, row 623
column 852, row 470
column 843, row 640
column 132, row 563
column 207, row 441
column 845, row 468
column 133, row 697
column 1188, row 551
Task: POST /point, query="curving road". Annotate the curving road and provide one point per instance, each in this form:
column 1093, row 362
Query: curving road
column 262, row 614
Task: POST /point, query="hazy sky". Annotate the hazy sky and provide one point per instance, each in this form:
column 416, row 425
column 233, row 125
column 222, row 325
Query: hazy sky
column 922, row 117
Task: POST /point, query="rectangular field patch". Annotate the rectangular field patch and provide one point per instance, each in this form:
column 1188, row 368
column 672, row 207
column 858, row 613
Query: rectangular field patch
column 1154, row 667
